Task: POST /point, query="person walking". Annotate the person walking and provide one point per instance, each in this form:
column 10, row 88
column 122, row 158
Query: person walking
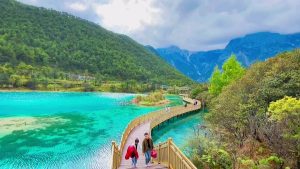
column 147, row 148
column 133, row 153
column 134, row 159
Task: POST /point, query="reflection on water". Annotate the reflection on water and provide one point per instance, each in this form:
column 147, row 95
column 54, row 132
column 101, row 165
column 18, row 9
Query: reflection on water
column 63, row 130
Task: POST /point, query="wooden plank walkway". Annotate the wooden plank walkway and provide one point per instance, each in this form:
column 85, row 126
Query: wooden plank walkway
column 138, row 132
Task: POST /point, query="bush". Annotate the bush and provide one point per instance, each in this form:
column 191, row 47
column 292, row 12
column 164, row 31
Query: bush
column 87, row 87
column 206, row 153
column 151, row 99
column 32, row 84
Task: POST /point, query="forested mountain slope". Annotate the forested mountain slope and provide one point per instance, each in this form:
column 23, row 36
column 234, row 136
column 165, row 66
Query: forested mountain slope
column 42, row 37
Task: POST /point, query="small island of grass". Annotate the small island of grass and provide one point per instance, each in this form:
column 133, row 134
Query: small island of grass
column 152, row 99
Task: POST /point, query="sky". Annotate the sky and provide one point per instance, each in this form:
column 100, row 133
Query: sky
column 190, row 24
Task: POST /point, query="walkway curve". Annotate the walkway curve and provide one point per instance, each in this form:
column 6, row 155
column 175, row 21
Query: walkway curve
column 139, row 126
column 137, row 132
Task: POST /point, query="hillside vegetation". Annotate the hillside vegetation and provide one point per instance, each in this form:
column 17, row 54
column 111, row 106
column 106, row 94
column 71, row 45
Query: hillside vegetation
column 254, row 120
column 47, row 39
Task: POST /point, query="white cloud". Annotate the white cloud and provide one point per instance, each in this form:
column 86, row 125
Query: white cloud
column 190, row 24
column 77, row 6
column 210, row 24
column 127, row 15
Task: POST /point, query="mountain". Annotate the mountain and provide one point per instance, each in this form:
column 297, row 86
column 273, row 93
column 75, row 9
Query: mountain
column 179, row 59
column 248, row 49
column 42, row 37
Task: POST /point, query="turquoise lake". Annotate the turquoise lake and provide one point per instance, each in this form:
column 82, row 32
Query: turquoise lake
column 63, row 129
column 180, row 129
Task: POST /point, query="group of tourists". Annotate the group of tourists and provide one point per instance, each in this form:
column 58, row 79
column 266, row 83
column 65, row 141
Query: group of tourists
column 147, row 149
column 168, row 109
column 147, row 146
column 195, row 102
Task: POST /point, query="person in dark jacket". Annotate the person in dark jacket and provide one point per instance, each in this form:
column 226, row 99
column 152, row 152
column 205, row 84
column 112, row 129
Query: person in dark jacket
column 147, row 148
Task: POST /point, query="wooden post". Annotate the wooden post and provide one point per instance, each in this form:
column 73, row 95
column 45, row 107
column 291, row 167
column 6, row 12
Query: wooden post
column 169, row 151
column 113, row 164
column 158, row 153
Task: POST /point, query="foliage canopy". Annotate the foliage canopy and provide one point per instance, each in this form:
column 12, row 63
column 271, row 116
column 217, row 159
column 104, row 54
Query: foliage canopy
column 46, row 38
column 231, row 70
column 256, row 117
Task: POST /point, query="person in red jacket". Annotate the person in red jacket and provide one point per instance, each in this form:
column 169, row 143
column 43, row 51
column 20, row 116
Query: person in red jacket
column 133, row 153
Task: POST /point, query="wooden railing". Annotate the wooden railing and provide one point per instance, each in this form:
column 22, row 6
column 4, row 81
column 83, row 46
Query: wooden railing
column 169, row 155
column 136, row 122
column 189, row 100
column 166, row 116
column 116, row 155
column 155, row 118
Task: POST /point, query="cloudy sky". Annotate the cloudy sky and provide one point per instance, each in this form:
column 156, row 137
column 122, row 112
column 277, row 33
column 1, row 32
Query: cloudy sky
column 189, row 24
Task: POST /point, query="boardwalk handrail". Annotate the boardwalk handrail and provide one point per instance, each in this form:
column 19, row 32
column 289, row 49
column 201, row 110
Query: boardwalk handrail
column 171, row 156
column 159, row 116
column 116, row 160
column 116, row 155
column 134, row 123
column 166, row 116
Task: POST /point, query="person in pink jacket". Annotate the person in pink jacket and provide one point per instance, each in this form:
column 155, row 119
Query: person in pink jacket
column 133, row 153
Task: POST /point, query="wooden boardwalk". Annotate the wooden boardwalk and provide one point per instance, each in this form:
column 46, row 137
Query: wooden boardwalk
column 147, row 126
column 137, row 132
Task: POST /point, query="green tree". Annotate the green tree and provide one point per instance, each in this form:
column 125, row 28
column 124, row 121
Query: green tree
column 197, row 90
column 240, row 112
column 284, row 108
column 32, row 83
column 13, row 80
column 232, row 71
column 206, row 153
column 216, row 82
column 286, row 113
column 67, row 44
column 87, row 87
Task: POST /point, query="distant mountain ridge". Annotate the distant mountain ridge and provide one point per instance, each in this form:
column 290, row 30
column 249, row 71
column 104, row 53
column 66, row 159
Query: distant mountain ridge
column 248, row 49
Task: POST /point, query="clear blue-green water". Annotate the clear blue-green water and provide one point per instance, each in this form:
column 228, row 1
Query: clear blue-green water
column 180, row 129
column 63, row 130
